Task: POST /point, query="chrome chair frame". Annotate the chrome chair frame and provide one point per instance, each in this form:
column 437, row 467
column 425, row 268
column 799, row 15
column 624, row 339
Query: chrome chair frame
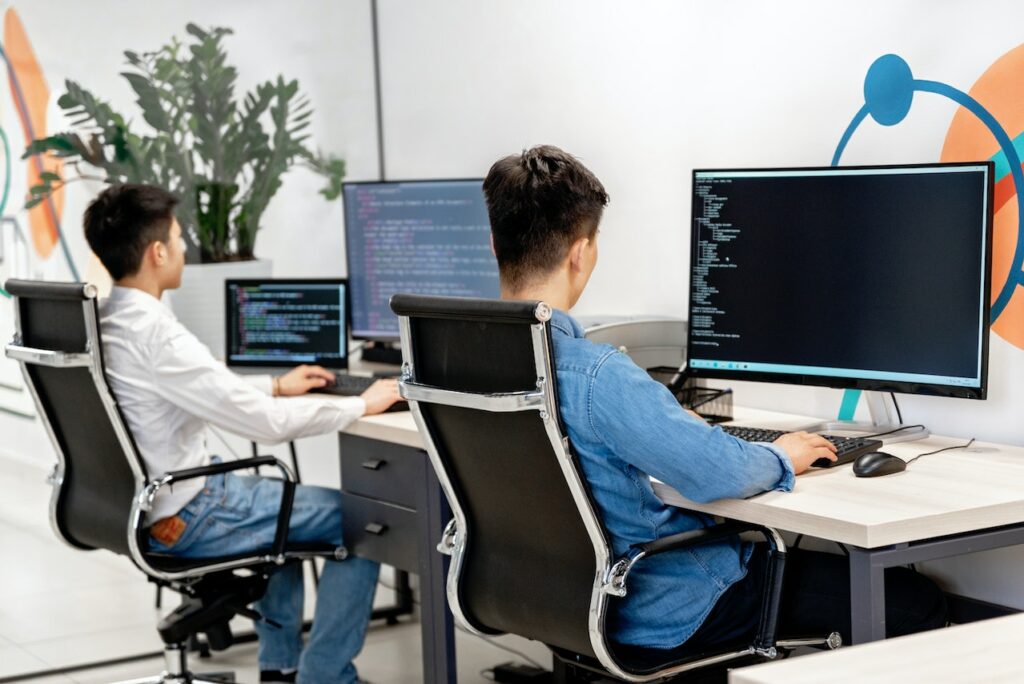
column 610, row 574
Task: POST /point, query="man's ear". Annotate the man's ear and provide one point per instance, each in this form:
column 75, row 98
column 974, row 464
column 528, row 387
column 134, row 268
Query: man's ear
column 157, row 253
column 576, row 254
column 493, row 251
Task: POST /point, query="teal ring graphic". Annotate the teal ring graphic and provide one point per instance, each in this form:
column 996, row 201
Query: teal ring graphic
column 889, row 89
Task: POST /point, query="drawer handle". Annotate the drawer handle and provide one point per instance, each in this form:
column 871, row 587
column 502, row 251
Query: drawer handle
column 374, row 464
column 376, row 528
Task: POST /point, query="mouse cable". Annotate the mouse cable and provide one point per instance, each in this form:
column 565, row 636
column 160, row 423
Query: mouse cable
column 899, row 429
column 929, row 453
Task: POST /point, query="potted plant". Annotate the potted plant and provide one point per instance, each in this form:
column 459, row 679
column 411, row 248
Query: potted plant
column 223, row 156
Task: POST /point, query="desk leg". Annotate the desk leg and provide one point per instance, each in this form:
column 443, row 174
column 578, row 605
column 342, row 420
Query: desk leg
column 436, row 623
column 867, row 597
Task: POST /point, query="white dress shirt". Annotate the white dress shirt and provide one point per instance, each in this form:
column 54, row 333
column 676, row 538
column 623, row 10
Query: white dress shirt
column 170, row 387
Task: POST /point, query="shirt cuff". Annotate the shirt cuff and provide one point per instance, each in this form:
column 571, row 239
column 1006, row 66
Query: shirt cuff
column 788, row 478
column 357, row 402
column 264, row 383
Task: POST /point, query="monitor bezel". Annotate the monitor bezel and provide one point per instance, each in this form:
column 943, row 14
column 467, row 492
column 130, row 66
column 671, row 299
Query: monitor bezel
column 333, row 364
column 348, row 251
column 903, row 387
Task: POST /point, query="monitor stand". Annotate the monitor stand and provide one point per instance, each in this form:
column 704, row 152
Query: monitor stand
column 884, row 418
column 382, row 352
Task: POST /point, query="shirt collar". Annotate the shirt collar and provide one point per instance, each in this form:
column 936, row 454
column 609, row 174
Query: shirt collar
column 137, row 297
column 566, row 324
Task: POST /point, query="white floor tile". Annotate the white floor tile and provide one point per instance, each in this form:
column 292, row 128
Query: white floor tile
column 77, row 612
column 99, row 645
column 391, row 655
column 15, row 661
column 42, row 566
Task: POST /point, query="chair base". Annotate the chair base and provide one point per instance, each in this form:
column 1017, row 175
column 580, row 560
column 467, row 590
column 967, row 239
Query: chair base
column 187, row 678
column 177, row 672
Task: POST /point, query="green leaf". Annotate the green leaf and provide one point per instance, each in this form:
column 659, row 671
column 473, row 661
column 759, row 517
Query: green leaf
column 58, row 144
column 33, row 202
column 49, row 177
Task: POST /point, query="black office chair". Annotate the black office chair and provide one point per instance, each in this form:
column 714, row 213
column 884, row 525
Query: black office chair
column 529, row 554
column 101, row 490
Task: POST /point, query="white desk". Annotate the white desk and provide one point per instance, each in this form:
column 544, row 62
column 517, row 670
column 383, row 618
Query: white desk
column 943, row 505
column 985, row 651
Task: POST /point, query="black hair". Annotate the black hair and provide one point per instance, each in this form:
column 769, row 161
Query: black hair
column 126, row 219
column 539, row 203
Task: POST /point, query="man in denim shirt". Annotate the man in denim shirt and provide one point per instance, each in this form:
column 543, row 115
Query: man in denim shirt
column 544, row 208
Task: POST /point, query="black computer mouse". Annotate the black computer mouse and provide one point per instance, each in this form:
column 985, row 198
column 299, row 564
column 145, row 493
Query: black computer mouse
column 878, row 463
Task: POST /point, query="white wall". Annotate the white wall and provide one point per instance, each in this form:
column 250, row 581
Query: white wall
column 642, row 91
column 645, row 92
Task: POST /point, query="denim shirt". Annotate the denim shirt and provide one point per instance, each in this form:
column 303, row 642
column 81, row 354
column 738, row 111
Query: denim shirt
column 625, row 428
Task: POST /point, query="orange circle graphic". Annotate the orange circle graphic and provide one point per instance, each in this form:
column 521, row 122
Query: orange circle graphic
column 998, row 91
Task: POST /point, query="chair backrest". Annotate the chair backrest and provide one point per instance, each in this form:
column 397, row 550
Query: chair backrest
column 528, row 550
column 98, row 473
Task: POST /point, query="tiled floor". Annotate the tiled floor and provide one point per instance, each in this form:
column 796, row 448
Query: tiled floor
column 61, row 607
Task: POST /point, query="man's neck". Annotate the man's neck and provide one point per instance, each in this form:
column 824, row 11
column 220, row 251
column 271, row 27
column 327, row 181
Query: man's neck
column 549, row 293
column 136, row 282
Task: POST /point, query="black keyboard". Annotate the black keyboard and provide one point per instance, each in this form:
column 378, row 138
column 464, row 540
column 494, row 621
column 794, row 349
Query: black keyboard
column 847, row 448
column 346, row 385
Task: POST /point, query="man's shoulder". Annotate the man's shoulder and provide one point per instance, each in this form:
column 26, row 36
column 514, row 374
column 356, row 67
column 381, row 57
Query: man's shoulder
column 579, row 355
column 135, row 324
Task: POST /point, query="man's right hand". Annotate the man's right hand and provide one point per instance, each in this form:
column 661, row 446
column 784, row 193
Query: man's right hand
column 804, row 448
column 380, row 396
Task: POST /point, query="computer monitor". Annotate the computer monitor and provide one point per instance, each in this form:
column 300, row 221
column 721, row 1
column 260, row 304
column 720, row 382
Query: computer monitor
column 420, row 237
column 872, row 278
column 278, row 322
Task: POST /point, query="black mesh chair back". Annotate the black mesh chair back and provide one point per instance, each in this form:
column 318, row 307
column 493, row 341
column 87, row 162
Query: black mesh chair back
column 57, row 338
column 479, row 377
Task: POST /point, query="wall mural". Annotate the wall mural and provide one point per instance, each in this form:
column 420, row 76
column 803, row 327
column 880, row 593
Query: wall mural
column 26, row 238
column 979, row 130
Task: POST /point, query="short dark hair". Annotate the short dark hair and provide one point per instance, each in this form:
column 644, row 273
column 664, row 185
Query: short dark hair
column 124, row 220
column 539, row 203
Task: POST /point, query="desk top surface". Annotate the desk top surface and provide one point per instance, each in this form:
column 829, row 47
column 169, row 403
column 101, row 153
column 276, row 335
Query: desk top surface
column 947, row 493
column 979, row 652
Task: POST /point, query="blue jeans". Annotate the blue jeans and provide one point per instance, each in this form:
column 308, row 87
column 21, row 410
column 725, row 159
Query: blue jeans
column 235, row 514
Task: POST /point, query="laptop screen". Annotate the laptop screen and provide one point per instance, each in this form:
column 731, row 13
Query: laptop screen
column 278, row 322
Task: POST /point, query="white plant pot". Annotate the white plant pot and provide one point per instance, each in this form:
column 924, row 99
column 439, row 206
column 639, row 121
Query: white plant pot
column 199, row 302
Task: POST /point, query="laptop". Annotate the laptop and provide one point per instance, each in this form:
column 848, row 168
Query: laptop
column 276, row 324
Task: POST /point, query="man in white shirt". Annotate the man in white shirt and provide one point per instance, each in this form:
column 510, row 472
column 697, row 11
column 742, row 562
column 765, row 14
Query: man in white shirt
column 170, row 389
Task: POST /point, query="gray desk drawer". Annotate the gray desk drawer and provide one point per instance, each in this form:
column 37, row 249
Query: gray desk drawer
column 383, row 471
column 380, row 531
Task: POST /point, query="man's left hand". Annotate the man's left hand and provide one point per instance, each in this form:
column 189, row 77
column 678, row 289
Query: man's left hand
column 301, row 379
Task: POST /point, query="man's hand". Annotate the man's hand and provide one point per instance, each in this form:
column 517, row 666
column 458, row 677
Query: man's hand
column 804, row 448
column 696, row 415
column 301, row 379
column 380, row 396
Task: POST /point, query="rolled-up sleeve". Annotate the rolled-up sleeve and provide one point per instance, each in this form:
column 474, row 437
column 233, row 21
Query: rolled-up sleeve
column 643, row 424
column 187, row 375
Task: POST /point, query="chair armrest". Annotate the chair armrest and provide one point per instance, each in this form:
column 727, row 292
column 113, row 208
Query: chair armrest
column 615, row 583
column 217, row 468
column 287, row 494
column 695, row 537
